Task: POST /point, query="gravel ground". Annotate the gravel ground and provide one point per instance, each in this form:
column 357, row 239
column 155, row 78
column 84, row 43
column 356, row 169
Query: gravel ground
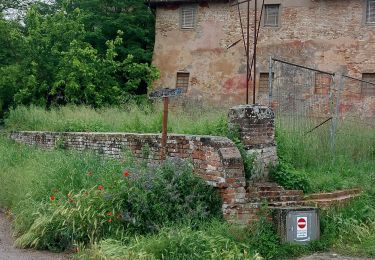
column 9, row 252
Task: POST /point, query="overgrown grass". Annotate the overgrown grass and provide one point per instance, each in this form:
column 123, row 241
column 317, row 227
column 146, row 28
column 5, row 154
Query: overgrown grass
column 60, row 198
column 132, row 118
column 349, row 163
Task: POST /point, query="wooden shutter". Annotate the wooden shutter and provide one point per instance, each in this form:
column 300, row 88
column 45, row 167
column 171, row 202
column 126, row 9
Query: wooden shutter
column 322, row 83
column 188, row 17
column 370, row 11
column 271, row 15
column 183, row 80
column 264, row 83
column 367, row 88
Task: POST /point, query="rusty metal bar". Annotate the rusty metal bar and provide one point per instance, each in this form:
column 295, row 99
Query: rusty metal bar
column 255, row 48
column 304, row 67
column 260, row 19
column 322, row 123
column 238, row 3
column 243, row 34
column 247, row 52
column 361, row 80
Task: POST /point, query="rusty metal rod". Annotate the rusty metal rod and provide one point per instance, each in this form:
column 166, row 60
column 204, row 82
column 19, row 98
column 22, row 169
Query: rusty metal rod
column 255, row 48
column 243, row 34
column 361, row 80
column 238, row 3
column 303, row 67
column 260, row 19
column 247, row 52
column 322, row 123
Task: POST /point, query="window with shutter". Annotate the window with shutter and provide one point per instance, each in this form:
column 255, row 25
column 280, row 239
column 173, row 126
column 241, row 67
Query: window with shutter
column 370, row 11
column 271, row 15
column 264, row 83
column 322, row 83
column 368, row 89
column 188, row 14
column 183, row 80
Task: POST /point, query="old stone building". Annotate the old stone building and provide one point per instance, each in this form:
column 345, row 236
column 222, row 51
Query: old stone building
column 192, row 39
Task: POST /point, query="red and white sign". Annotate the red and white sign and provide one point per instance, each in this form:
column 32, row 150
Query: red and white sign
column 301, row 223
column 301, row 227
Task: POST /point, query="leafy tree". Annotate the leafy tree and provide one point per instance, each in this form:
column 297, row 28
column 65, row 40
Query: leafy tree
column 103, row 18
column 63, row 68
column 98, row 55
column 12, row 44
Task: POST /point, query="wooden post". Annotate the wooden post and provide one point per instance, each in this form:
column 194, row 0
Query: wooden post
column 165, row 122
column 165, row 93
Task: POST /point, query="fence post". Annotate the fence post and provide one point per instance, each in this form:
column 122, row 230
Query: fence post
column 270, row 82
column 335, row 110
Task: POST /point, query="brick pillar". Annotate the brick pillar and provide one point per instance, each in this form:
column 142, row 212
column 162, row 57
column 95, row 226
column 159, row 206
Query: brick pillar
column 256, row 126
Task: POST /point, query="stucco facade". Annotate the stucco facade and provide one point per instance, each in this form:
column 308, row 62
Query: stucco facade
column 331, row 35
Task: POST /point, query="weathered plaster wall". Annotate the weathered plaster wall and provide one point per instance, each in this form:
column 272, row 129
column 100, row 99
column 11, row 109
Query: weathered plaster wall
column 329, row 35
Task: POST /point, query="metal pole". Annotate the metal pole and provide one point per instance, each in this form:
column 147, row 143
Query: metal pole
column 336, row 111
column 165, row 122
column 255, row 48
column 270, row 81
column 247, row 52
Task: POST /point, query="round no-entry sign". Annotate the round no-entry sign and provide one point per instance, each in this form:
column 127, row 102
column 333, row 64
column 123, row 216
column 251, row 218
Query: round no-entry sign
column 301, row 222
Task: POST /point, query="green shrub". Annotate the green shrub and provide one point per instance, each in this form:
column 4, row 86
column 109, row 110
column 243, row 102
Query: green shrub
column 288, row 177
column 167, row 194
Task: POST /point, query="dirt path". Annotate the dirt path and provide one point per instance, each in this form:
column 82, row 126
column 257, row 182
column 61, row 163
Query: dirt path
column 9, row 252
column 331, row 256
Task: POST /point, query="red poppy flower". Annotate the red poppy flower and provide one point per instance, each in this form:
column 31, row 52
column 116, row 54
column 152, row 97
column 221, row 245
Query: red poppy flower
column 100, row 187
column 126, row 173
column 109, row 220
column 109, row 213
column 52, row 198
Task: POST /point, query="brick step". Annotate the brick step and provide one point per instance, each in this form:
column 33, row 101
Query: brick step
column 327, row 202
column 264, row 186
column 285, row 204
column 280, row 193
column 332, row 195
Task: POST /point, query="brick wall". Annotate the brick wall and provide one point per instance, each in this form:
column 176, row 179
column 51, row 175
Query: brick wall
column 215, row 159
